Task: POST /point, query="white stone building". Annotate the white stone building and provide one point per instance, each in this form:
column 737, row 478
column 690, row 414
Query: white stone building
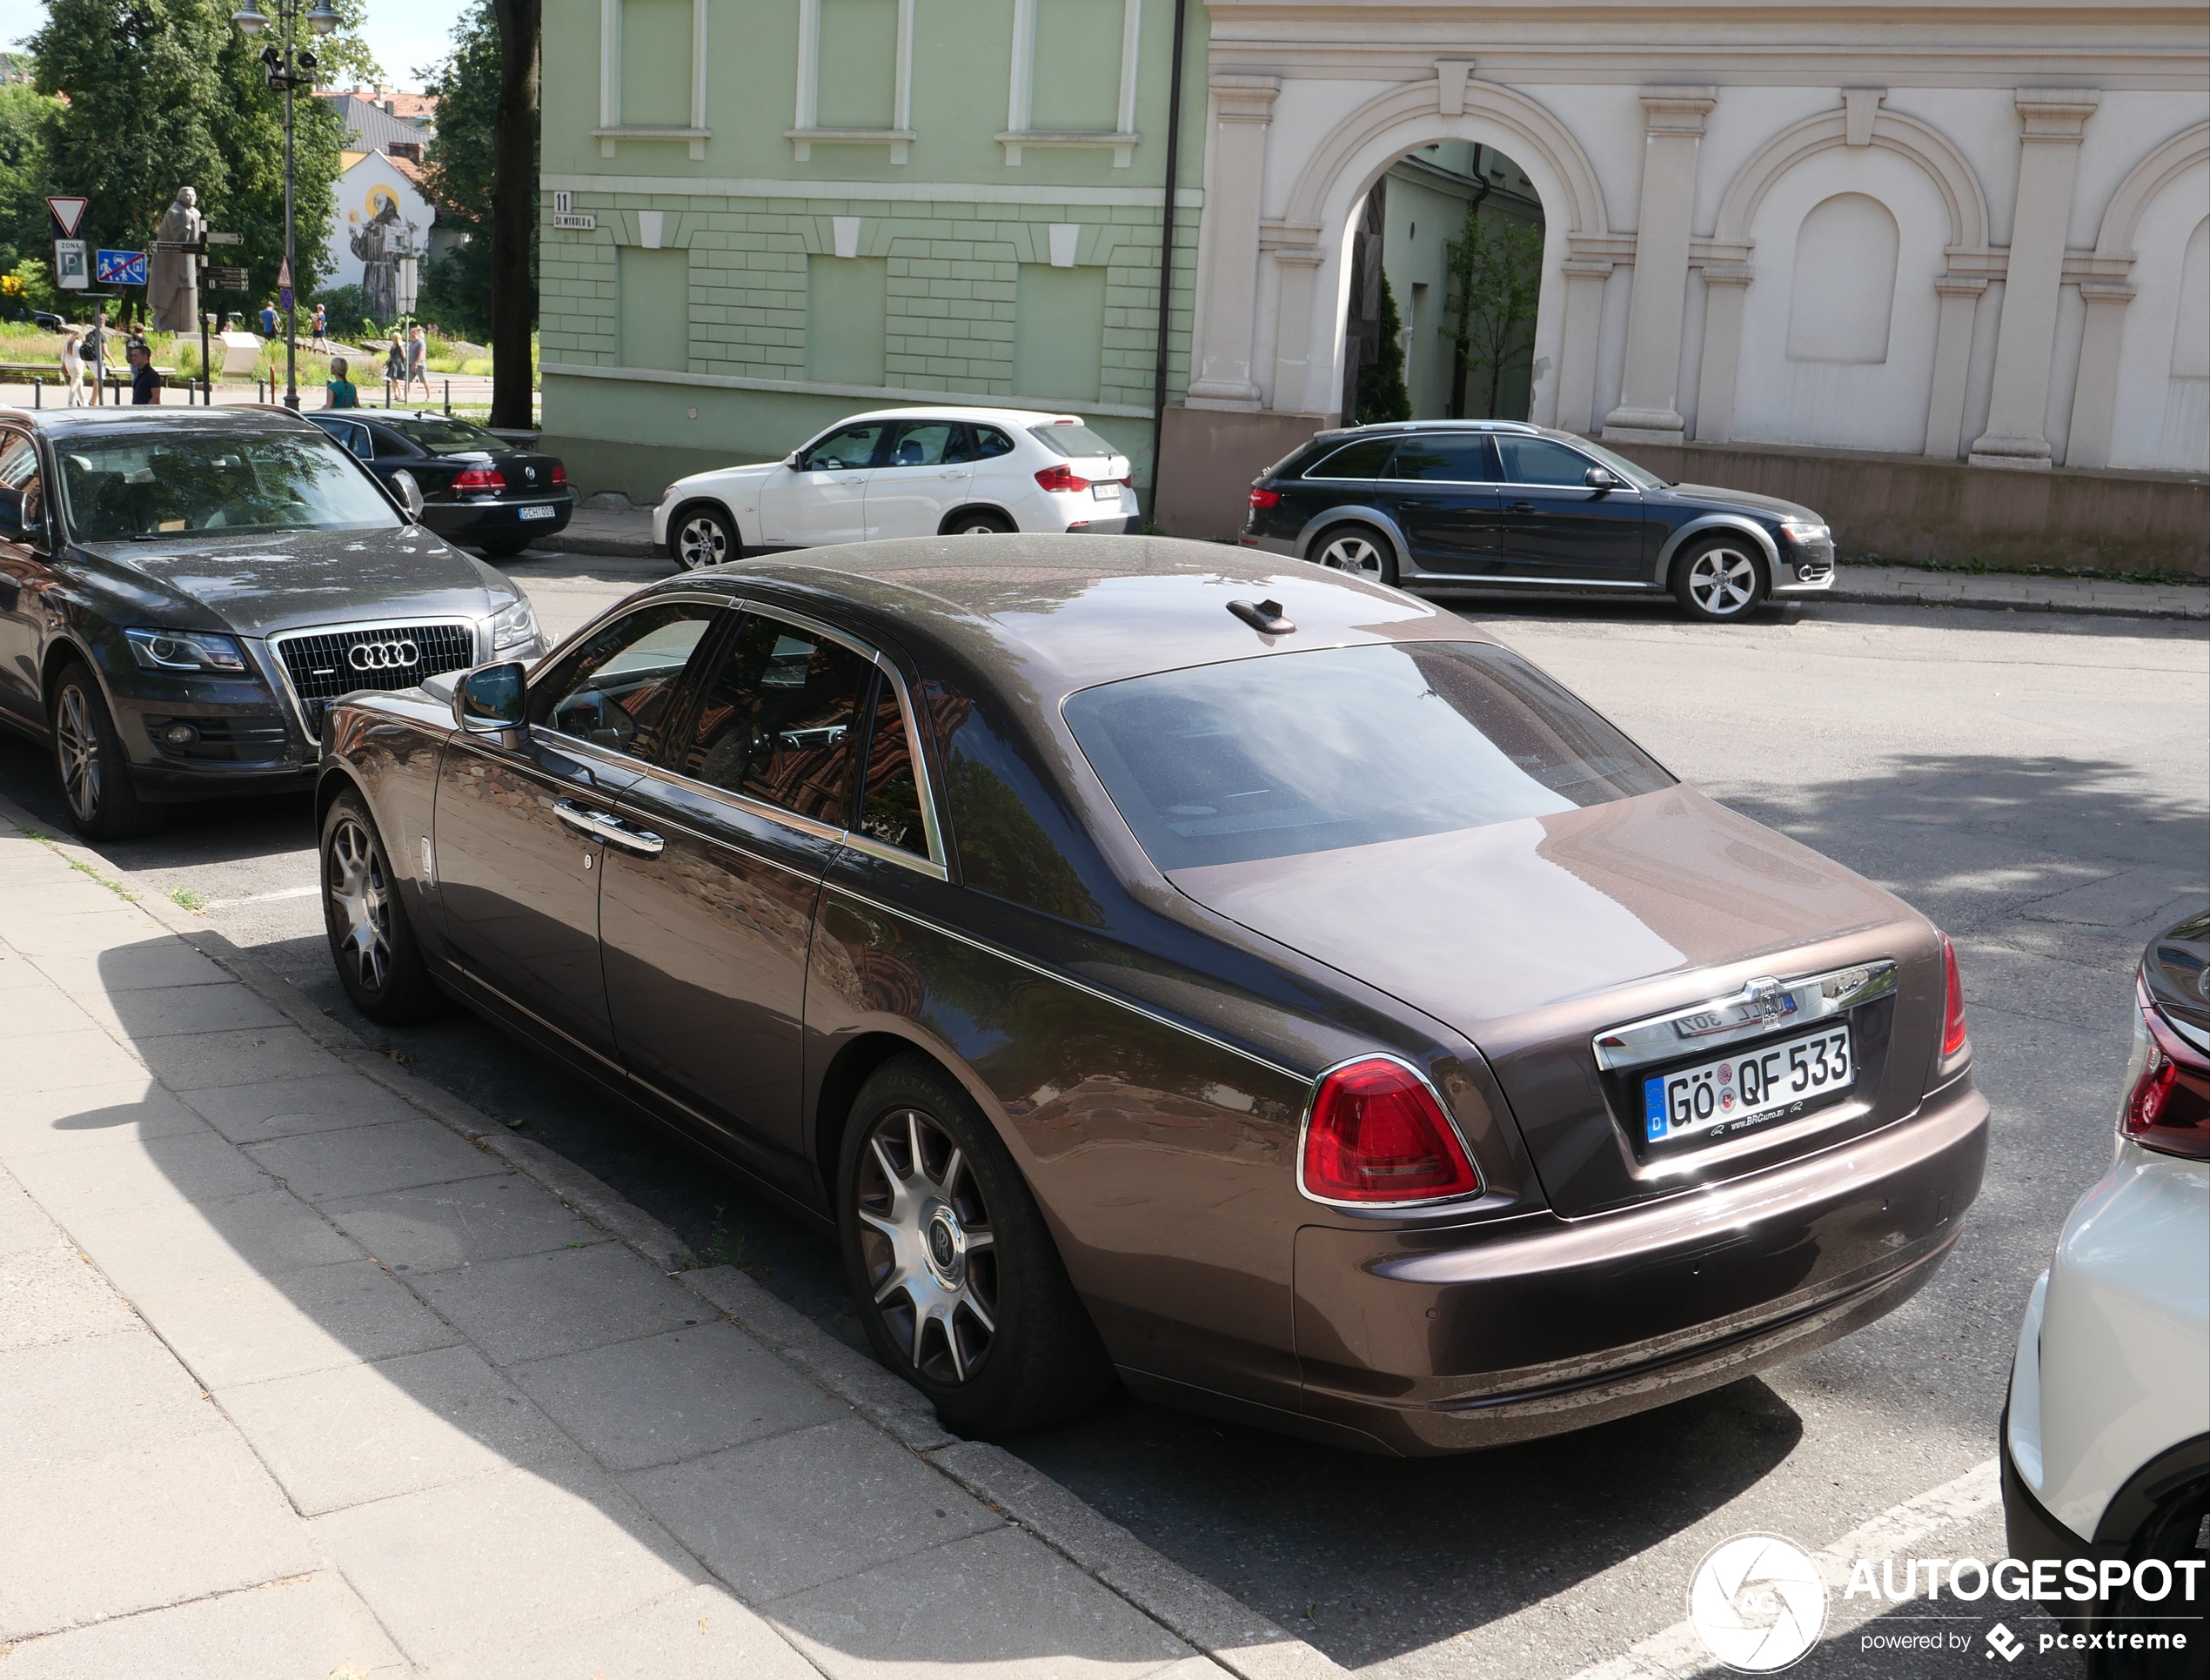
column 366, row 181
column 1967, row 233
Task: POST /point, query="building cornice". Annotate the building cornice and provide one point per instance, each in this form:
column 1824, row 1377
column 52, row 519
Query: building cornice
column 876, row 191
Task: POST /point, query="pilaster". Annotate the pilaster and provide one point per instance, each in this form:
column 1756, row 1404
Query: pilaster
column 2095, row 399
column 1673, row 136
column 1242, row 107
column 2053, row 119
column 1952, row 358
column 1725, row 288
column 1577, row 345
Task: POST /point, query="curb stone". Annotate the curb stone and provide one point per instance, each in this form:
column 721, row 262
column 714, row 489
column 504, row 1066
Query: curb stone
column 1236, row 1638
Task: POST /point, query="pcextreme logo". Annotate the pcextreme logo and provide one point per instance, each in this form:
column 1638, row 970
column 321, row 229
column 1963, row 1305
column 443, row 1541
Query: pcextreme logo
column 1758, row 1602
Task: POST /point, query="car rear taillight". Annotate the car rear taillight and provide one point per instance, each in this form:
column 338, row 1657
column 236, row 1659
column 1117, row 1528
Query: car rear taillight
column 559, row 473
column 1061, row 478
column 480, row 478
column 1953, row 1037
column 1378, row 1136
column 1262, row 497
column 2168, row 1087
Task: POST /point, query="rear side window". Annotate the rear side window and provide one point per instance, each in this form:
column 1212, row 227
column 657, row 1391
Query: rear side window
column 1460, row 459
column 1302, row 752
column 990, row 441
column 1367, row 458
column 1076, row 442
column 1016, row 839
column 778, row 721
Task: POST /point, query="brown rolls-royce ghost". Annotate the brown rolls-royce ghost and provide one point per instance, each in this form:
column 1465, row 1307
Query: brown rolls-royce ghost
column 1160, row 960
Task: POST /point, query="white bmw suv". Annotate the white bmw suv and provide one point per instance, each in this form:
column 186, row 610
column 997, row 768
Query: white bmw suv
column 905, row 472
column 2106, row 1434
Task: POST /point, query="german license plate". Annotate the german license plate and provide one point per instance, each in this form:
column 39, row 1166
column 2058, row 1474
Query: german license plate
column 1755, row 1083
column 537, row 512
column 1107, row 492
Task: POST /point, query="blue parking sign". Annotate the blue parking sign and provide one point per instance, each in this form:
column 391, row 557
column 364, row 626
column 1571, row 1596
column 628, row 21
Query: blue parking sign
column 120, row 268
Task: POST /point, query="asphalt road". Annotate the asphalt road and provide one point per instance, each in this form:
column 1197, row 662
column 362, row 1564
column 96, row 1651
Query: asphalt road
column 2039, row 785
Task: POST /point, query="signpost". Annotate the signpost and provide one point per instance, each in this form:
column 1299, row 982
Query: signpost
column 70, row 263
column 120, row 268
column 226, row 279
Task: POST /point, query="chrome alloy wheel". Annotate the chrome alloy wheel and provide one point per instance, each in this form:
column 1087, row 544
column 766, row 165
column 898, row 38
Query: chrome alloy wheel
column 701, row 541
column 1353, row 553
column 76, row 746
column 930, row 1254
column 1723, row 580
column 360, row 893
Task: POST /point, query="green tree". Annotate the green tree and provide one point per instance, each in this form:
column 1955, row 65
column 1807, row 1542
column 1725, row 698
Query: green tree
column 1381, row 395
column 1494, row 281
column 458, row 169
column 513, row 214
column 26, row 115
column 249, row 127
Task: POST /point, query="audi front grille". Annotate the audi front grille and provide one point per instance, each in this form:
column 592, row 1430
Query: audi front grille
column 324, row 664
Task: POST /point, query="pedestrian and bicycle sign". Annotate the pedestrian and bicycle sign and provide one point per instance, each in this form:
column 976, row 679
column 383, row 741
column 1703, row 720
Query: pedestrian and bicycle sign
column 121, row 268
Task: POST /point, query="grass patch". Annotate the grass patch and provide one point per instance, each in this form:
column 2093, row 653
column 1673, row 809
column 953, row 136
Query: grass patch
column 188, row 897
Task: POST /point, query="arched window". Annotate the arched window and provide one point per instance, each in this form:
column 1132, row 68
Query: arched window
column 2191, row 333
column 1843, row 294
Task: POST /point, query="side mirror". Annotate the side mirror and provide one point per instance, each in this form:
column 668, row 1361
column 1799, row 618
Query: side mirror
column 1602, row 478
column 403, row 486
column 791, row 460
column 490, row 699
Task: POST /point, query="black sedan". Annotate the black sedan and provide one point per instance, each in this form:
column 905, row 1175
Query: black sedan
column 1499, row 504
column 477, row 487
column 182, row 592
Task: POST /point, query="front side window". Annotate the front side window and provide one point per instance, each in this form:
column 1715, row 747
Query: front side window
column 1367, row 458
column 1300, row 753
column 778, row 721
column 846, row 448
column 136, row 484
column 1460, row 459
column 618, row 690
column 1539, row 461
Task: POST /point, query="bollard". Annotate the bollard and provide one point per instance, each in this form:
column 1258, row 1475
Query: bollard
column 38, row 391
column 448, row 399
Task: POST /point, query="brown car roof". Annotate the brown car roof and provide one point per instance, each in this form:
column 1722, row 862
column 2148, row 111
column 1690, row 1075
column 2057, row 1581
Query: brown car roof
column 1072, row 611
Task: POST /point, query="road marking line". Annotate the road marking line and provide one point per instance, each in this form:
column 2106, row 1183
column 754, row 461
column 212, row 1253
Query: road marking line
column 262, row 898
column 1676, row 1653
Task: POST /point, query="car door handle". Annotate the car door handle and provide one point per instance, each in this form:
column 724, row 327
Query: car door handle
column 1521, row 508
column 605, row 825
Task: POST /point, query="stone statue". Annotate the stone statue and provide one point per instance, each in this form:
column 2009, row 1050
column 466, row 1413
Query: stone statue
column 377, row 246
column 173, row 276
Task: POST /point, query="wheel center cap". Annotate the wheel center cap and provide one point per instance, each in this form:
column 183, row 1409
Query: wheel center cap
column 946, row 1242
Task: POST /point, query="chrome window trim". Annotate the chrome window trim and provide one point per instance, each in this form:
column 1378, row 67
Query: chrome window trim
column 1304, row 1125
column 1817, row 997
column 1084, row 986
column 479, row 630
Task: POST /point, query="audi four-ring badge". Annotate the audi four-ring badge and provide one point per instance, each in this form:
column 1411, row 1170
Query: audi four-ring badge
column 184, row 593
column 1166, row 960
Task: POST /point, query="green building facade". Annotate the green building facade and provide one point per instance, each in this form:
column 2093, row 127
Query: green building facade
column 758, row 217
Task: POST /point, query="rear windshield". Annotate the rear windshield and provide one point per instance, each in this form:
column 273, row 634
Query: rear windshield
column 1076, row 442
column 1271, row 757
column 448, row 437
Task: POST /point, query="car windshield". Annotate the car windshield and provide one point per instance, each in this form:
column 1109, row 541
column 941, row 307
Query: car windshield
column 447, row 436
column 140, row 484
column 1076, row 442
column 1640, row 477
column 1271, row 757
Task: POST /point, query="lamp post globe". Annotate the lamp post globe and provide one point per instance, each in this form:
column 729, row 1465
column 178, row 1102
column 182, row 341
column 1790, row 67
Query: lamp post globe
column 250, row 18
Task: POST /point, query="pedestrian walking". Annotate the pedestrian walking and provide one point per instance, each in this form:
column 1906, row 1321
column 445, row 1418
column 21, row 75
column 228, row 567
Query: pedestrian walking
column 339, row 392
column 146, row 383
column 320, row 323
column 96, row 359
column 418, row 361
column 269, row 319
column 73, row 366
column 395, row 361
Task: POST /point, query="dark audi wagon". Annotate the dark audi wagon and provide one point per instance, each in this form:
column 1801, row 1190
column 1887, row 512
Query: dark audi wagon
column 1151, row 960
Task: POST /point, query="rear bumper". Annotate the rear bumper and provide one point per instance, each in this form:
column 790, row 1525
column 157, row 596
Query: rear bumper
column 474, row 522
column 1433, row 1342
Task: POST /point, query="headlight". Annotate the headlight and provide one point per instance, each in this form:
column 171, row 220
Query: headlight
column 185, row 650
column 1805, row 530
column 513, row 627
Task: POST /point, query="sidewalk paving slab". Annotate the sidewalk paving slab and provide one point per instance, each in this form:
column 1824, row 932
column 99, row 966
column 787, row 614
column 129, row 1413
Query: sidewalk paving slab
column 264, row 1235
column 305, row 1628
column 256, row 1329
column 288, row 1108
column 442, row 1226
column 699, row 1633
column 539, row 1306
column 341, row 1164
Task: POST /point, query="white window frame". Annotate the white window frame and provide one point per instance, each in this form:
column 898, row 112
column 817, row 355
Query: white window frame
column 612, row 130
column 805, row 131
column 1020, row 130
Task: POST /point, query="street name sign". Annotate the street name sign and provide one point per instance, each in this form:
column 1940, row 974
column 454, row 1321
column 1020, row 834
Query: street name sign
column 121, row 268
column 225, row 238
column 226, row 279
column 565, row 214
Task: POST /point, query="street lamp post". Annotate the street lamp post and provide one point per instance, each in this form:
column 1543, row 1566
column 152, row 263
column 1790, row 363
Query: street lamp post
column 286, row 68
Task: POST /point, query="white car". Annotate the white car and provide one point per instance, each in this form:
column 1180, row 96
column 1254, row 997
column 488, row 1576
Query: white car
column 2106, row 1437
column 905, row 472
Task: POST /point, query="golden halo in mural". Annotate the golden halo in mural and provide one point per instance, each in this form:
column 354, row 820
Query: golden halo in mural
column 378, row 197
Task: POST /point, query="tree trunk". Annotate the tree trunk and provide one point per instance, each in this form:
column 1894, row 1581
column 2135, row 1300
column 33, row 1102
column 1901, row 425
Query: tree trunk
column 514, row 212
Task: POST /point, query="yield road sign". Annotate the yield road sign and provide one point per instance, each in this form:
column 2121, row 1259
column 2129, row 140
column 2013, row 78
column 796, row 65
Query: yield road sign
column 122, row 268
column 68, row 212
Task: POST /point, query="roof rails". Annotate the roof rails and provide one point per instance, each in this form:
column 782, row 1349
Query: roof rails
column 1435, row 426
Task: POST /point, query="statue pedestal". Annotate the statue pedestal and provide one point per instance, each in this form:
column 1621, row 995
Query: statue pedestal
column 240, row 351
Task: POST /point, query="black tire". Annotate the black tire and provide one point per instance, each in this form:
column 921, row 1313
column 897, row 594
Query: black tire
column 371, row 940
column 1357, row 549
column 505, row 549
column 701, row 535
column 978, row 522
column 971, row 1280
column 2172, row 1534
column 97, row 786
column 1721, row 580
